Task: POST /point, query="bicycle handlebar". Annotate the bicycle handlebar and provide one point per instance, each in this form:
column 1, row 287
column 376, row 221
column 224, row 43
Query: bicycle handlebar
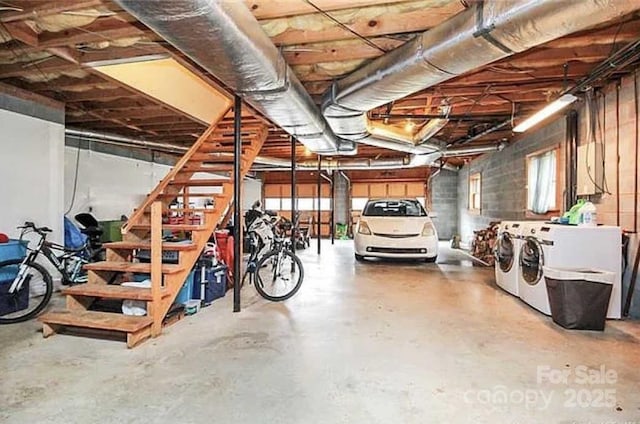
column 30, row 225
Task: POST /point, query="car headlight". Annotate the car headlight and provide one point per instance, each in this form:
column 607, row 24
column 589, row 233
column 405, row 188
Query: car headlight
column 428, row 229
column 363, row 228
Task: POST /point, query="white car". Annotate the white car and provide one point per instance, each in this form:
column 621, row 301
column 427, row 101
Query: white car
column 395, row 228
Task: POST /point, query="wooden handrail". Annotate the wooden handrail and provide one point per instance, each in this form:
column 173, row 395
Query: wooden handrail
column 155, row 310
column 172, row 174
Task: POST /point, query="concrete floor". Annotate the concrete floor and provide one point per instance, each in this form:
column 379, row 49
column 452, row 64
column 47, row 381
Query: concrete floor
column 360, row 343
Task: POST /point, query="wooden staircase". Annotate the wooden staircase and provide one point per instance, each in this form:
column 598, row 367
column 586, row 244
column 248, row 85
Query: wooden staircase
column 144, row 231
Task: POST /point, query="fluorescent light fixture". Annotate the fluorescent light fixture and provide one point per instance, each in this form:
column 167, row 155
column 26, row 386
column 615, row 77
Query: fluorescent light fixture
column 545, row 112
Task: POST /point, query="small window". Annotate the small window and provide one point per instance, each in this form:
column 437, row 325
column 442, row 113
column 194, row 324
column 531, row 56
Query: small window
column 305, row 204
column 358, row 203
column 475, row 192
column 325, row 204
column 272, row 204
column 286, row 204
column 542, row 183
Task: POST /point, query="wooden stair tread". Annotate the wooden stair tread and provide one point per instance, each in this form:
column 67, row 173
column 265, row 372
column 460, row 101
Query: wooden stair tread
column 172, row 227
column 111, row 291
column 212, row 169
column 183, row 210
column 201, row 182
column 130, row 245
column 118, row 266
column 172, row 195
column 98, row 320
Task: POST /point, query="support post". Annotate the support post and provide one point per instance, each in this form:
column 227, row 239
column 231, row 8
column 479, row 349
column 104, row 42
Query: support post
column 155, row 307
column 319, row 215
column 293, row 194
column 237, row 202
column 333, row 213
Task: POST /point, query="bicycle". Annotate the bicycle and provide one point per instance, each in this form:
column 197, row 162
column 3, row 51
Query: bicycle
column 278, row 273
column 31, row 284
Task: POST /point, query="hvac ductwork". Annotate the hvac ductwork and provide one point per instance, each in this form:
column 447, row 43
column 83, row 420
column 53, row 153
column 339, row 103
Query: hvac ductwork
column 270, row 163
column 411, row 161
column 484, row 33
column 225, row 39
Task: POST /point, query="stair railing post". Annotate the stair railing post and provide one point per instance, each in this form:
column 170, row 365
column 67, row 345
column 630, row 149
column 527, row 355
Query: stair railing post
column 155, row 308
column 237, row 202
column 294, row 198
column 319, row 215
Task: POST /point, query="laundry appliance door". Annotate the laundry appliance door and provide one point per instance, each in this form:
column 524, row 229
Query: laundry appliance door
column 531, row 261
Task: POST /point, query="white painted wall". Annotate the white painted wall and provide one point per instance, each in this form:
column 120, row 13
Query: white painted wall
column 107, row 185
column 112, row 186
column 252, row 191
column 31, row 173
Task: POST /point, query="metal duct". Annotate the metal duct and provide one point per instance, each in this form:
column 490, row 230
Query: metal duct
column 225, row 39
column 411, row 161
column 488, row 31
column 100, row 137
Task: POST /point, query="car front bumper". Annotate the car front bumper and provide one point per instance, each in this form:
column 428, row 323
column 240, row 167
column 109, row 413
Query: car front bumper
column 383, row 247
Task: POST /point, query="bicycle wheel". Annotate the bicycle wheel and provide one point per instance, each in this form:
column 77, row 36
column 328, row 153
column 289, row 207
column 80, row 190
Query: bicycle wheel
column 279, row 275
column 30, row 299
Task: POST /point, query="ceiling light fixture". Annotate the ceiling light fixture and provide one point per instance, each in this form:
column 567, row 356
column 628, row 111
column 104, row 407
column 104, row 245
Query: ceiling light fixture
column 545, row 112
column 409, row 126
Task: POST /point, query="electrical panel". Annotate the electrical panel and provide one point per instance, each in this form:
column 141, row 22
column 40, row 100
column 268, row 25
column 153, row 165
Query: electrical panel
column 590, row 178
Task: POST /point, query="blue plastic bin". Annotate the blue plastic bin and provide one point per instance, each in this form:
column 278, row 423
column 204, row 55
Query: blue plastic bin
column 215, row 283
column 14, row 249
column 185, row 293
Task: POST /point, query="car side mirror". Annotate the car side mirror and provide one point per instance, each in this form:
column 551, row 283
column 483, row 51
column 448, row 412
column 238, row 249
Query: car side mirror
column 432, row 215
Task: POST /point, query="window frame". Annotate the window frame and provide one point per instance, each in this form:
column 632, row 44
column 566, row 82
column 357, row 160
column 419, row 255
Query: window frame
column 470, row 204
column 554, row 211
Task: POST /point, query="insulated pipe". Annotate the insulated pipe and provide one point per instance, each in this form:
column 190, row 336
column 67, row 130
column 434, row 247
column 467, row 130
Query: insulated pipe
column 278, row 163
column 484, row 33
column 118, row 139
column 225, row 38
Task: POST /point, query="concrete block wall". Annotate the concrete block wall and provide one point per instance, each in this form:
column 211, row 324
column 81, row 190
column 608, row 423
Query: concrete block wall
column 443, row 189
column 504, row 175
column 503, row 180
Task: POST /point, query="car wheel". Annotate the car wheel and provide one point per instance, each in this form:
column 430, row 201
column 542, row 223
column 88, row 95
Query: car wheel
column 431, row 260
column 359, row 258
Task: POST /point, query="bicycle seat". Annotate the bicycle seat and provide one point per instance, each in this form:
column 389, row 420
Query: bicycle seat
column 87, row 220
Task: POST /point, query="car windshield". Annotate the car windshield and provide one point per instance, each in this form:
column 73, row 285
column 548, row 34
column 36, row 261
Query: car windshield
column 394, row 208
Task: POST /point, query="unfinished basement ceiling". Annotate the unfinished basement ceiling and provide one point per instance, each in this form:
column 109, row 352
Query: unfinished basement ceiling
column 45, row 46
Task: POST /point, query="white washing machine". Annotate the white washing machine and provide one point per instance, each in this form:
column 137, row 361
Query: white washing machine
column 567, row 246
column 507, row 252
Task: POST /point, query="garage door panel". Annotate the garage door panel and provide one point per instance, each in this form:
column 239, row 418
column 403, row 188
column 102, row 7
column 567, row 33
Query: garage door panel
column 415, row 189
column 272, row 190
column 397, row 190
column 378, row 190
column 306, row 190
column 360, row 190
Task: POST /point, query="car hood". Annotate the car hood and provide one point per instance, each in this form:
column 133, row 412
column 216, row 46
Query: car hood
column 396, row 225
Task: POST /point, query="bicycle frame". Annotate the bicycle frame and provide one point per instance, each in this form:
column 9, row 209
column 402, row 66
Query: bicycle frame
column 48, row 249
